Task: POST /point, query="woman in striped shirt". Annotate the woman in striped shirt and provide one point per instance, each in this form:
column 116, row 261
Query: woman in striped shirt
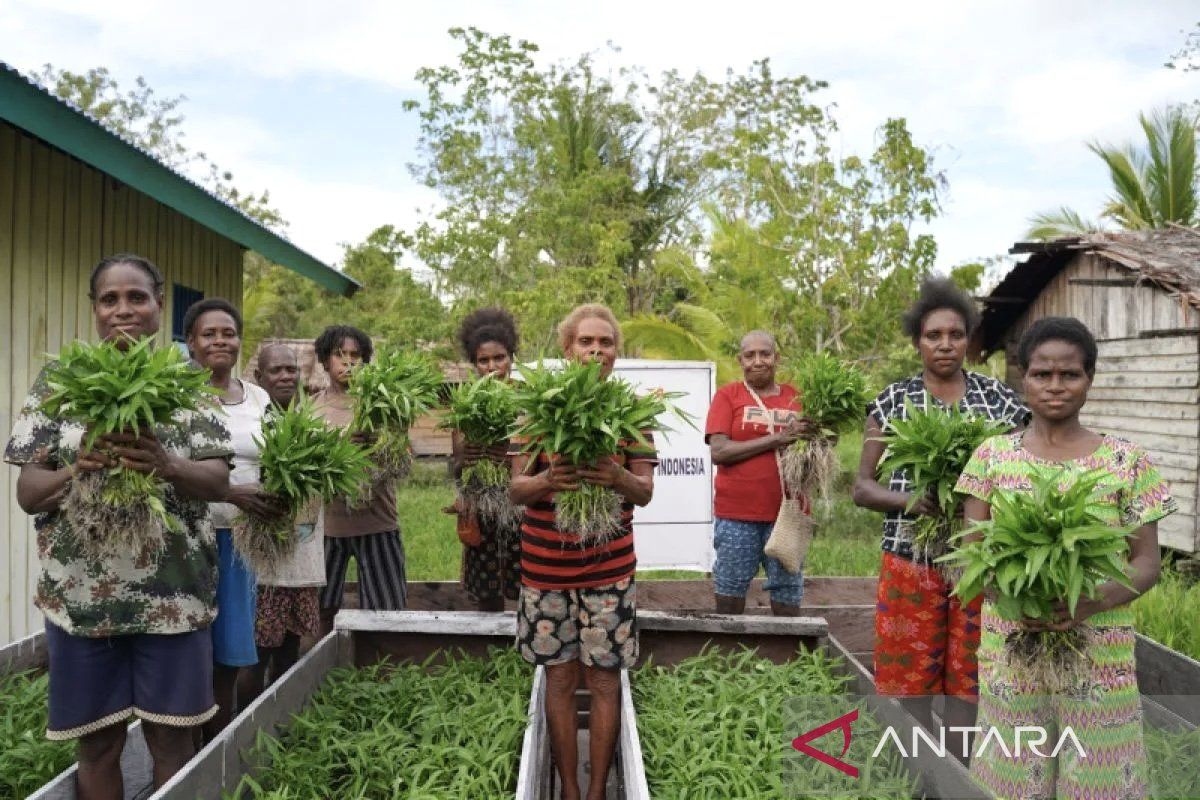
column 576, row 614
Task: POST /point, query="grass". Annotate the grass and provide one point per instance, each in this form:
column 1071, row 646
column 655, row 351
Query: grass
column 847, row 540
column 1170, row 613
column 27, row 758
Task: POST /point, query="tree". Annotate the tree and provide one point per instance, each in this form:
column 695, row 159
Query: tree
column 1152, row 188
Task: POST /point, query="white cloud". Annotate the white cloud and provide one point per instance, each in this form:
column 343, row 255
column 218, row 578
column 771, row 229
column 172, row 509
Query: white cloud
column 1006, row 93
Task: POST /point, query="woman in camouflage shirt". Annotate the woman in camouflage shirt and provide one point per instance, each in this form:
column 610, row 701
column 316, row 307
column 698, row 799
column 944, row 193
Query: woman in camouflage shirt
column 127, row 635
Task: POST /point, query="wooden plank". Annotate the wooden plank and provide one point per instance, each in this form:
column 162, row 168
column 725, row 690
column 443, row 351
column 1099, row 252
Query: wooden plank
column 1131, row 426
column 629, row 747
column 1130, row 408
column 1140, row 395
column 10, row 514
column 26, row 653
column 1178, row 532
column 1149, row 362
column 91, row 246
column 1132, row 346
column 447, row 623
column 1163, row 672
column 534, row 773
column 1144, row 380
column 1159, row 445
column 733, row 624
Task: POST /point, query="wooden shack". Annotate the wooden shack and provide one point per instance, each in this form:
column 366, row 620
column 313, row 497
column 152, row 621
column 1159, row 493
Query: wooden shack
column 1139, row 293
column 71, row 192
column 427, row 439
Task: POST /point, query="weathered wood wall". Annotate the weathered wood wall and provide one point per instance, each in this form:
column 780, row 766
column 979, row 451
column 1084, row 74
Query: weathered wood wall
column 1147, row 385
column 58, row 217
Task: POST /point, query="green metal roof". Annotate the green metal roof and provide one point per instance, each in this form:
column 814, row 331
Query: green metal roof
column 31, row 108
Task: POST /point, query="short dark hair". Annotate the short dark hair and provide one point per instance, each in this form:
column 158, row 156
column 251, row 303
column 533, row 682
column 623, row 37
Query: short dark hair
column 1058, row 329
column 332, row 337
column 144, row 264
column 934, row 295
column 487, row 325
column 210, row 304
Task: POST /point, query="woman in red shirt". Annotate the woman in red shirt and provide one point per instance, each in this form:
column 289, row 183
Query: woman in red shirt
column 576, row 614
column 748, row 422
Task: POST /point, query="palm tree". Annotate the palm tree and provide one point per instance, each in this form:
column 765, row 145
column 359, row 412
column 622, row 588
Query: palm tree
column 689, row 333
column 1152, row 188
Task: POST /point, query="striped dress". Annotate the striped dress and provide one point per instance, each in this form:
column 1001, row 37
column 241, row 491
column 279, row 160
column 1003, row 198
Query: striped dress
column 554, row 559
column 1105, row 711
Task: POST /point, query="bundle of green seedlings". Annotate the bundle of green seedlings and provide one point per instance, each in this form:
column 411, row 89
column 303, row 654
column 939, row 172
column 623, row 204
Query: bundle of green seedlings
column 719, row 725
column 933, row 445
column 303, row 460
column 484, row 411
column 110, row 390
column 390, row 393
column 833, row 394
column 446, row 728
column 575, row 415
column 1039, row 549
column 27, row 758
column 1173, row 756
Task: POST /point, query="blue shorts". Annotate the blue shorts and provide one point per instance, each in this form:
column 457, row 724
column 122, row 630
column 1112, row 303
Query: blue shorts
column 233, row 629
column 739, row 545
column 98, row 682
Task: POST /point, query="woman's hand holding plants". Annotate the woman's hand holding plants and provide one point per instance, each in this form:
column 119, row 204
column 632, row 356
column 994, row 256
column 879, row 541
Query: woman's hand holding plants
column 142, row 453
column 562, row 477
column 251, row 498
column 606, row 473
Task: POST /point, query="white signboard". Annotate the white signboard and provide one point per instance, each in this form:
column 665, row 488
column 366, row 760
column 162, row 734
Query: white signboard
column 675, row 530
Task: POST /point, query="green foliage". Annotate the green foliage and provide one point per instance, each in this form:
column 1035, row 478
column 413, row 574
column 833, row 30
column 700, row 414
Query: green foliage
column 934, row 445
column 1153, row 187
column 390, row 394
column 1168, row 613
column 121, row 387
column 710, row 727
column 302, row 459
column 27, row 758
column 1043, row 547
column 834, row 393
column 483, row 410
column 446, row 728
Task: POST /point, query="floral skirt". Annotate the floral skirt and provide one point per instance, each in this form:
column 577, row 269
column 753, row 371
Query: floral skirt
column 286, row 609
column 596, row 626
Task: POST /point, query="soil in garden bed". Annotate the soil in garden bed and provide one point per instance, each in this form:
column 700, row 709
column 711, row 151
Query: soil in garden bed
column 446, row 728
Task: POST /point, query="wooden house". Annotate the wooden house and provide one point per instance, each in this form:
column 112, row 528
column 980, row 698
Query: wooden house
column 1139, row 294
column 427, row 439
column 71, row 192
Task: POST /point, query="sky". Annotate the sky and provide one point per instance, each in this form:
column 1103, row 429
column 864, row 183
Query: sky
column 305, row 98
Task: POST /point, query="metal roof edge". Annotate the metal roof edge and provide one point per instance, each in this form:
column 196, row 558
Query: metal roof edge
column 29, row 107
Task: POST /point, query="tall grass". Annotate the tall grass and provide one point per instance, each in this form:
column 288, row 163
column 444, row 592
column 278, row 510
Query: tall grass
column 1170, row 613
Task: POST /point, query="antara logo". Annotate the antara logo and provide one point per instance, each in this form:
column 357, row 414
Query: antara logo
column 1025, row 737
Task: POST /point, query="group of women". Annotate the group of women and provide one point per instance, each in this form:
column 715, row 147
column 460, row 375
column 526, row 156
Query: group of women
column 130, row 636
column 928, row 642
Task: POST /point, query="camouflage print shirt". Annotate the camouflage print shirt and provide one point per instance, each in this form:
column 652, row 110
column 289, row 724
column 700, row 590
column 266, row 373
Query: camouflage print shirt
column 173, row 591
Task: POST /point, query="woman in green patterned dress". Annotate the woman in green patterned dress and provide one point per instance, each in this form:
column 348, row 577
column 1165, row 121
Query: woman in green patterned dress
column 1103, row 708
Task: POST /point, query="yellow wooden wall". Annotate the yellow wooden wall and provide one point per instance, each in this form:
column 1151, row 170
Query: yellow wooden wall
column 58, row 217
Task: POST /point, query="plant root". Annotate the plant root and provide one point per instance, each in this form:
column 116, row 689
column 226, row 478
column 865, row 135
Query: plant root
column 483, row 487
column 1058, row 661
column 809, row 467
column 591, row 512
column 265, row 544
column 117, row 512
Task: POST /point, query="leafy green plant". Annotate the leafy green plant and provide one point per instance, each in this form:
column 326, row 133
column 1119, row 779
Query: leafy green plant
column 484, row 411
column 302, row 460
column 451, row 728
column 934, row 445
column 27, row 758
column 1168, row 613
column 1172, row 757
column 710, row 727
column 834, row 395
column 574, row 414
column 1038, row 550
column 121, row 387
column 390, row 393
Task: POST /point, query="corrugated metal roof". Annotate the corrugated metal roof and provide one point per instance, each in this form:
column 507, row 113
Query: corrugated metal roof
column 31, row 108
column 1168, row 258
